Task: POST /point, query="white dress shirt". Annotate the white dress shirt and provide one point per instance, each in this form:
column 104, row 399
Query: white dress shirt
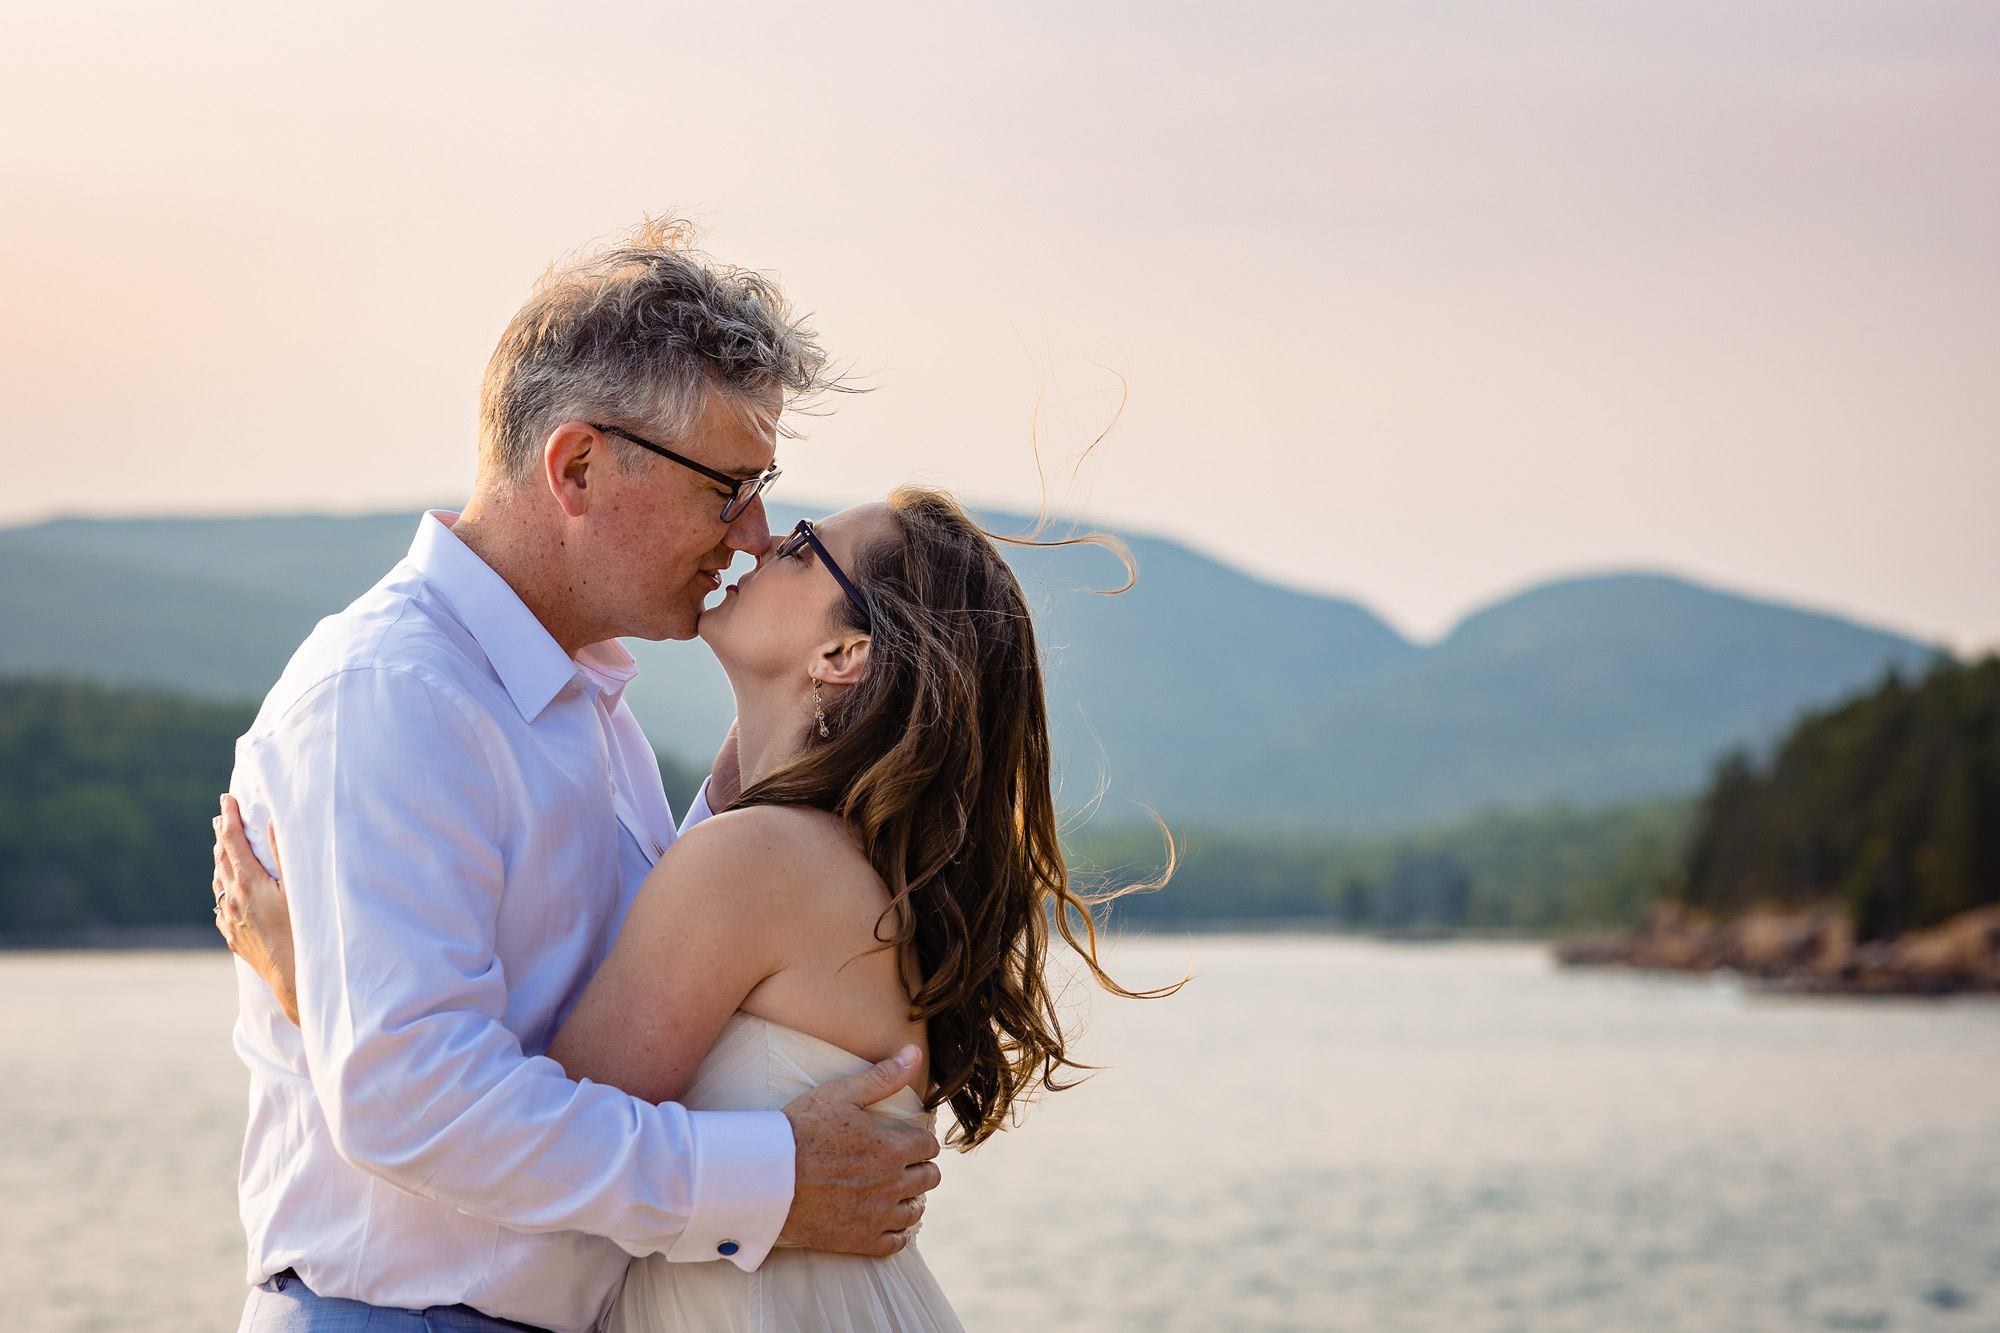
column 465, row 813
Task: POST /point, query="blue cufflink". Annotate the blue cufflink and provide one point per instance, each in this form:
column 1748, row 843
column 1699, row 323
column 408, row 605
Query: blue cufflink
column 728, row 1247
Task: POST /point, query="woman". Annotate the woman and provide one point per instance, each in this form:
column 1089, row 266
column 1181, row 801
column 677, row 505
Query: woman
column 886, row 877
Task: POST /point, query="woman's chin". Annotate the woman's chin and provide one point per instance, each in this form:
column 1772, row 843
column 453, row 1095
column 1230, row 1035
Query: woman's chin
column 709, row 627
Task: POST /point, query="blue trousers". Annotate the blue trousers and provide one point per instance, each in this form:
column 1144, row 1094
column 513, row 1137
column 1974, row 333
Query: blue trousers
column 283, row 1304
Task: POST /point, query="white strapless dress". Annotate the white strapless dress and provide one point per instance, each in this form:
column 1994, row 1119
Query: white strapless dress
column 757, row 1065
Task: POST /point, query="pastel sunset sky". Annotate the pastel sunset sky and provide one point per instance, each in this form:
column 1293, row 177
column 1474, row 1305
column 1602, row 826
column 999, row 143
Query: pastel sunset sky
column 1416, row 302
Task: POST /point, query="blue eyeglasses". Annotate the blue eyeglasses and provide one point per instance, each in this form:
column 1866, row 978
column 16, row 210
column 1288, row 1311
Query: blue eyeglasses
column 804, row 535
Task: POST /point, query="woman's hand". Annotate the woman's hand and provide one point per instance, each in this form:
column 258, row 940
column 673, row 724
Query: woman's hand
column 250, row 907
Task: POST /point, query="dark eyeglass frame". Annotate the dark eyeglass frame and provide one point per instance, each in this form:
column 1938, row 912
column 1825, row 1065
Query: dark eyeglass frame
column 739, row 499
column 802, row 535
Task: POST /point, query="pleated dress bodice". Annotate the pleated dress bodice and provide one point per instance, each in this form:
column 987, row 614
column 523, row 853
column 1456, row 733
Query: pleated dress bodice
column 758, row 1065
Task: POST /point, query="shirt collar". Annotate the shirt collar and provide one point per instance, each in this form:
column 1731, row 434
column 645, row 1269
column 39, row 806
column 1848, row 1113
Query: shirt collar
column 609, row 666
column 526, row 657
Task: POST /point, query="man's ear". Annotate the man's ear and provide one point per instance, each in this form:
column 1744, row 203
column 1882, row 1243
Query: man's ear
column 574, row 459
column 844, row 661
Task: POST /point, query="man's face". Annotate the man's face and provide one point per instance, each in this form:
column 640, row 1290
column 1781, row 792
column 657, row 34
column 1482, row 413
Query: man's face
column 657, row 538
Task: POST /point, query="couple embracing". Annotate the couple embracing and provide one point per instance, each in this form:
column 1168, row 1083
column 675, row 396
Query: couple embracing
column 525, row 1050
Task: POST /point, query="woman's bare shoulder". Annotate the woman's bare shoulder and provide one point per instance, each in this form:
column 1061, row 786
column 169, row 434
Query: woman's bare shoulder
column 768, row 832
column 777, row 856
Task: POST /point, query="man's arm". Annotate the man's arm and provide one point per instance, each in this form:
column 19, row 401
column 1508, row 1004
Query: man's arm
column 386, row 793
column 859, row 1183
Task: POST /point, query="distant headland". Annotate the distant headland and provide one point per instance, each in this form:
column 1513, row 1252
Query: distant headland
column 1863, row 857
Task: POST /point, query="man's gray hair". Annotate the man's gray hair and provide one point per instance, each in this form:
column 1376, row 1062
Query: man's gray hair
column 637, row 333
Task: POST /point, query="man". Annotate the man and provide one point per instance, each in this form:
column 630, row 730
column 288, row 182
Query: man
column 467, row 808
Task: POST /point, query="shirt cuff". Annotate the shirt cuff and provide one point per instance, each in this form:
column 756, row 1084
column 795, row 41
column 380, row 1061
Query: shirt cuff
column 743, row 1187
column 698, row 809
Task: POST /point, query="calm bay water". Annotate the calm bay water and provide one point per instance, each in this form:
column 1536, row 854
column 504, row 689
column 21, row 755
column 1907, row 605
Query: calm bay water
column 1316, row 1134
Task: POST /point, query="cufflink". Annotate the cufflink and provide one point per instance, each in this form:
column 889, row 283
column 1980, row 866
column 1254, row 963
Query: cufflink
column 727, row 1248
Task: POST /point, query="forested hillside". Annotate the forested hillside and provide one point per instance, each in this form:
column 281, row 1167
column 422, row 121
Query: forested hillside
column 1887, row 806
column 1544, row 871
column 105, row 798
column 106, row 794
column 1862, row 856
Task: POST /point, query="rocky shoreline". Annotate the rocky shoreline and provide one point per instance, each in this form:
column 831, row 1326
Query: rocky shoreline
column 1812, row 951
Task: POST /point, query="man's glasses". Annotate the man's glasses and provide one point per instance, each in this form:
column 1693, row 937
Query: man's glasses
column 803, row 535
column 742, row 490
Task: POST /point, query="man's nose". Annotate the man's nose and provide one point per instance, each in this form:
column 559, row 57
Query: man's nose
column 750, row 531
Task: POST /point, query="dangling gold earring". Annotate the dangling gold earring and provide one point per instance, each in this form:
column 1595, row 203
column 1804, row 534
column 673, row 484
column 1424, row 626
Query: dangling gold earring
column 819, row 713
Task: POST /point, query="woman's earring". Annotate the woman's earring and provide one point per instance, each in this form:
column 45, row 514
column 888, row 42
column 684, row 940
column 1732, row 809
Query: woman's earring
column 819, row 713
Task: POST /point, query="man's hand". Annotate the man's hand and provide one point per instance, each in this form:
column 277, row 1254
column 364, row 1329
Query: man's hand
column 861, row 1180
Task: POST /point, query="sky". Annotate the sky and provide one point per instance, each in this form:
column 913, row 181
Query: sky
column 1417, row 303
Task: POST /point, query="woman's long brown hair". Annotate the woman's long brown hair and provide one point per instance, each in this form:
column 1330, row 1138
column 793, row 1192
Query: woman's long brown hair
column 938, row 763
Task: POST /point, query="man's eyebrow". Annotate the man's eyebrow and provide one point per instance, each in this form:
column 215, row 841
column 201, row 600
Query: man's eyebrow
column 754, row 472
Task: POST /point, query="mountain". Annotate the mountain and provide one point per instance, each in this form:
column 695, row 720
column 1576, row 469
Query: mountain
column 1195, row 665
column 1595, row 689
column 213, row 607
column 1191, row 665
column 1201, row 692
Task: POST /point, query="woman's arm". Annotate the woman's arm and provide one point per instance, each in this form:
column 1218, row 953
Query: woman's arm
column 706, row 928
column 725, row 909
column 710, row 924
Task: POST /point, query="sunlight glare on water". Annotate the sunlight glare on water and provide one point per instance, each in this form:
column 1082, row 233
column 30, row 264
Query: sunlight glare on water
column 1316, row 1134
column 1331, row 1134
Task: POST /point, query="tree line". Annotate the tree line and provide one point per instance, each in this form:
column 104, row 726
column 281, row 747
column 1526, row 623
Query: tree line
column 106, row 794
column 1540, row 871
column 1888, row 804
column 105, row 798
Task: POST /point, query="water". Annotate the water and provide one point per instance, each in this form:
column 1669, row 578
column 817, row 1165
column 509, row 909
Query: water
column 1317, row 1134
